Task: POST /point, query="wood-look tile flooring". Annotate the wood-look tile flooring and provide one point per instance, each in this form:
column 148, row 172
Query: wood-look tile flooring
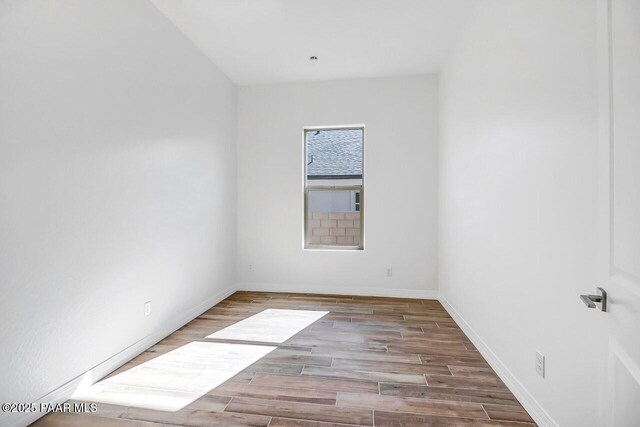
column 369, row 362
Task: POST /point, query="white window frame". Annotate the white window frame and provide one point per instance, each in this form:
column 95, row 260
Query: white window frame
column 326, row 187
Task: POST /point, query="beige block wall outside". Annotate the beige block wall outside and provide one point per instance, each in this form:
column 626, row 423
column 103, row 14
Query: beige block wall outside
column 334, row 228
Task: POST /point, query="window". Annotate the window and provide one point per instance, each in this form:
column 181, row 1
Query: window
column 334, row 188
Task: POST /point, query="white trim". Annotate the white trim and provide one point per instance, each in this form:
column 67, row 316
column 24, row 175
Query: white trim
column 537, row 412
column 338, row 290
column 65, row 391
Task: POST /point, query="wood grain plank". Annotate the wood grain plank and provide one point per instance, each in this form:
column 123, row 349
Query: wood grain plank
column 196, row 418
column 427, row 343
column 299, row 359
column 472, row 371
column 61, row 419
column 381, row 356
column 365, row 375
column 275, row 368
column 395, row 419
column 436, row 349
column 321, row 397
column 465, row 382
column 448, row 394
column 412, row 405
column 453, row 360
column 288, row 422
column 390, row 367
column 302, row 411
column 329, row 343
column 316, row 383
column 209, row 403
column 507, row 413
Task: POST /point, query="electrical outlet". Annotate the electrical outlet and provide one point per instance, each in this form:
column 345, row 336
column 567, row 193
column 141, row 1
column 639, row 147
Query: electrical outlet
column 540, row 363
column 250, row 268
column 147, row 308
column 389, row 272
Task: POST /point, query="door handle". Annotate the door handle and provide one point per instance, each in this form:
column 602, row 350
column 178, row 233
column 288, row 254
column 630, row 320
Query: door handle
column 591, row 300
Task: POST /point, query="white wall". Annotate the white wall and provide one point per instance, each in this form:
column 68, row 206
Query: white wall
column 117, row 184
column 400, row 118
column 518, row 194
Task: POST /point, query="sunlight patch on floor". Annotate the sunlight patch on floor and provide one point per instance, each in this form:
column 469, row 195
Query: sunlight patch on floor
column 175, row 379
column 271, row 325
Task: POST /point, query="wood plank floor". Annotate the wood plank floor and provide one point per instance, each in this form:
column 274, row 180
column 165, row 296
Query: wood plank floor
column 369, row 362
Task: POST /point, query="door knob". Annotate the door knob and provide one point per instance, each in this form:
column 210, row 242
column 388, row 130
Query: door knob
column 592, row 301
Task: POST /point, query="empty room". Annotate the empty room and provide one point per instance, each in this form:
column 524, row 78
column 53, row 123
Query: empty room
column 320, row 213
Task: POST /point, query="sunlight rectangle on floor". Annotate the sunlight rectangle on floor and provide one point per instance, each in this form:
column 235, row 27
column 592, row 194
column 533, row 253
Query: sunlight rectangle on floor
column 175, row 379
column 271, row 325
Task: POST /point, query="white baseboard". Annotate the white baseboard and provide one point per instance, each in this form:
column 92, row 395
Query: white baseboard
column 537, row 412
column 64, row 392
column 337, row 290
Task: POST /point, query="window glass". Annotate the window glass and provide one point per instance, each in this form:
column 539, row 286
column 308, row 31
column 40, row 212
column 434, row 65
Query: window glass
column 334, row 190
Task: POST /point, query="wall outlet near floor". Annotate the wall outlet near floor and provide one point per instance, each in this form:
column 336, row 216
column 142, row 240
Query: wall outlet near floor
column 250, row 268
column 540, row 363
column 147, row 308
column 389, row 272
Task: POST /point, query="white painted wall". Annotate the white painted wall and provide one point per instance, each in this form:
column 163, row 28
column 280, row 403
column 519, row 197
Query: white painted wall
column 117, row 184
column 400, row 118
column 518, row 195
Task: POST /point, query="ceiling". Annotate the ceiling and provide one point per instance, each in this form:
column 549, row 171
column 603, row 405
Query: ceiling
column 270, row 41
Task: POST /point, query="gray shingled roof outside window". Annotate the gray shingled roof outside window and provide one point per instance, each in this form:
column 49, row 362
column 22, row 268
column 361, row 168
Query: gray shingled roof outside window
column 334, row 154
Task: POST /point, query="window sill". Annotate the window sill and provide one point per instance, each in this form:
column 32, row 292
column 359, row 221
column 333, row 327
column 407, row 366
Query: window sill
column 333, row 248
